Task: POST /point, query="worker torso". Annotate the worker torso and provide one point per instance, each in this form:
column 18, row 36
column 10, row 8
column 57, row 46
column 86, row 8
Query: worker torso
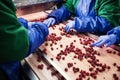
column 108, row 9
column 81, row 7
column 85, row 8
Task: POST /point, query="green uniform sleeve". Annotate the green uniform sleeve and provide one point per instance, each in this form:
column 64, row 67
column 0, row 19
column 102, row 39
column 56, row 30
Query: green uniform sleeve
column 14, row 42
column 109, row 9
column 71, row 5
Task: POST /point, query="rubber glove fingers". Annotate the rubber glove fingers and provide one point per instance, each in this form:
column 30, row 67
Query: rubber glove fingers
column 37, row 35
column 43, row 27
column 100, row 42
column 36, row 25
column 69, row 26
column 32, row 24
column 107, row 40
column 50, row 22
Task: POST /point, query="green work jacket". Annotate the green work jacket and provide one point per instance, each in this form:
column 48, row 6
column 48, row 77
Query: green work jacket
column 14, row 40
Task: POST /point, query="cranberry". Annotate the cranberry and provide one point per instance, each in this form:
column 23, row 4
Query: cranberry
column 40, row 66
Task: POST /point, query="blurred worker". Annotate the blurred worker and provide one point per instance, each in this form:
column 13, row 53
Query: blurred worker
column 95, row 16
column 113, row 36
column 17, row 40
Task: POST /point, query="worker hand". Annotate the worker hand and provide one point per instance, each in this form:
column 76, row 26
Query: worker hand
column 69, row 26
column 106, row 39
column 50, row 22
column 37, row 35
column 24, row 22
column 32, row 24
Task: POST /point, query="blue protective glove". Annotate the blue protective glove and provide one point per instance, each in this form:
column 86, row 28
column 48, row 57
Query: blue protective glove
column 60, row 14
column 37, row 32
column 24, row 22
column 32, row 24
column 106, row 39
column 86, row 24
column 69, row 26
column 79, row 25
column 50, row 22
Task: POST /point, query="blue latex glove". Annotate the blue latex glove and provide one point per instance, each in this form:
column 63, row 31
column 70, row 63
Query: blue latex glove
column 86, row 24
column 115, row 31
column 49, row 22
column 106, row 39
column 32, row 24
column 60, row 14
column 37, row 34
column 69, row 26
column 79, row 25
column 24, row 22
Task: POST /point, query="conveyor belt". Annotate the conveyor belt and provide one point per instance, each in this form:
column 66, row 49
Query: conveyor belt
column 107, row 56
